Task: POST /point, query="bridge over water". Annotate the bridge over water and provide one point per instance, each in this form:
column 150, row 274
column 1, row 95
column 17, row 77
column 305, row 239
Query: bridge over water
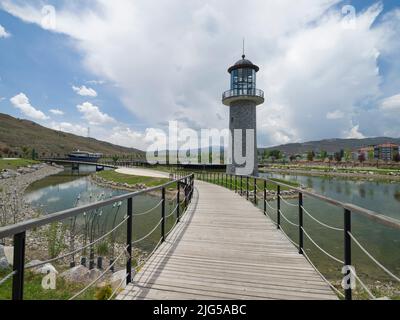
column 225, row 248
column 219, row 246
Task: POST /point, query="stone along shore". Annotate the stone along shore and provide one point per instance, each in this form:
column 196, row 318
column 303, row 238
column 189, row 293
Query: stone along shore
column 13, row 208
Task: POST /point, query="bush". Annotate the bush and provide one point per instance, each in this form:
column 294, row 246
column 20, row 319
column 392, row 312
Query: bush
column 104, row 293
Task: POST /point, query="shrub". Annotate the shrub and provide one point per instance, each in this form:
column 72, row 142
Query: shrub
column 104, row 293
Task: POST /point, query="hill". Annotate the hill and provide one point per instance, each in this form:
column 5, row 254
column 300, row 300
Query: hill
column 331, row 145
column 16, row 134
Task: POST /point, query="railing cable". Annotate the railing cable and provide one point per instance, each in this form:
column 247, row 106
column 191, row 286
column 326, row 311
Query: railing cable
column 148, row 211
column 80, row 249
column 7, row 277
column 101, row 275
column 322, row 276
column 118, row 287
column 322, row 250
column 290, row 222
column 288, row 203
column 320, row 222
column 149, row 234
column 176, row 208
column 372, row 258
column 285, row 234
column 362, row 284
column 271, row 207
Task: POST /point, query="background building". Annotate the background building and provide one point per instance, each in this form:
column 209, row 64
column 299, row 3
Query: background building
column 386, row 152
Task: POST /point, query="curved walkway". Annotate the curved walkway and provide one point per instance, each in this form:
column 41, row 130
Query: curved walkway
column 143, row 172
column 225, row 248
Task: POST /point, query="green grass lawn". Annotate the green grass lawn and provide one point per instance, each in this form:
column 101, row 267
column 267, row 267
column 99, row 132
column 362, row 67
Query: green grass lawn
column 382, row 171
column 114, row 176
column 15, row 164
column 33, row 289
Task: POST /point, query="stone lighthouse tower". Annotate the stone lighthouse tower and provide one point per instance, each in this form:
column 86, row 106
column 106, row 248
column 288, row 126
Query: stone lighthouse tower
column 243, row 99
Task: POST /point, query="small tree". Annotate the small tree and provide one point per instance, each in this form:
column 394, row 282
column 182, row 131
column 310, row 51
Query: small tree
column 362, row 158
column 371, row 155
column 338, row 157
column 25, row 152
column 396, row 157
column 324, row 155
column 115, row 159
column 311, row 156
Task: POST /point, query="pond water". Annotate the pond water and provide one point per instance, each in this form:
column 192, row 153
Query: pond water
column 382, row 242
column 71, row 189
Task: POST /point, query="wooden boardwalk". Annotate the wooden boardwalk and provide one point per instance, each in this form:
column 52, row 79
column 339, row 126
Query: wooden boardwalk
column 225, row 248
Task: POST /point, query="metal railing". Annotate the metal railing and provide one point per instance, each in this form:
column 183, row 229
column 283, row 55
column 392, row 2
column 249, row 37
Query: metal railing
column 242, row 186
column 19, row 232
column 242, row 92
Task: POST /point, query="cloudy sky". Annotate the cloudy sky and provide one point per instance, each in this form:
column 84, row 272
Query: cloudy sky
column 330, row 68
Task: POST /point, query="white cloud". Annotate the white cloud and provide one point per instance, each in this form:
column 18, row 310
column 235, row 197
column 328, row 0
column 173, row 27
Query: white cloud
column 84, row 91
column 335, row 115
column 22, row 103
column 391, row 103
column 3, row 32
column 96, row 82
column 312, row 68
column 93, row 114
column 354, row 133
column 127, row 137
column 57, row 112
column 69, row 128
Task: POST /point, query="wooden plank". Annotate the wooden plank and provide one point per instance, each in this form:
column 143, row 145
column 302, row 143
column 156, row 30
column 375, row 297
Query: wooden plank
column 225, row 248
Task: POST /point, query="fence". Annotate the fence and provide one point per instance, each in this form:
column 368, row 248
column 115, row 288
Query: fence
column 249, row 187
column 185, row 185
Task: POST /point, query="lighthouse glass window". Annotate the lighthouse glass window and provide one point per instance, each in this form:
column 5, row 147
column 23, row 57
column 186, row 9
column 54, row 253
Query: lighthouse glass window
column 243, row 81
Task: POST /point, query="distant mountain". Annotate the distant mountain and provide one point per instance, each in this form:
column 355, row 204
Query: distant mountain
column 16, row 134
column 332, row 145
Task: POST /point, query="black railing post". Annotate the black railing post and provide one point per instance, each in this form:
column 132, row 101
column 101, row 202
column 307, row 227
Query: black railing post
column 279, row 208
column 301, row 223
column 186, row 192
column 265, row 197
column 18, row 266
column 235, row 183
column 347, row 254
column 129, row 225
column 247, row 188
column 255, row 191
column 163, row 216
column 178, row 202
column 241, row 185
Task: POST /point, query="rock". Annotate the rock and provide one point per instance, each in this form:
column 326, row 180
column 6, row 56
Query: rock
column 4, row 264
column 9, row 254
column 80, row 274
column 76, row 274
column 117, row 278
column 44, row 269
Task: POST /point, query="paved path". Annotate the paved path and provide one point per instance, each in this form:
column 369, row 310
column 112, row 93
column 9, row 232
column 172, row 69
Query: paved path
column 225, row 248
column 143, row 172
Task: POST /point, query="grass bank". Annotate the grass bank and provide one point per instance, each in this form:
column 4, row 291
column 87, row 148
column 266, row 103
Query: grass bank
column 33, row 289
column 115, row 177
column 15, row 164
column 333, row 169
